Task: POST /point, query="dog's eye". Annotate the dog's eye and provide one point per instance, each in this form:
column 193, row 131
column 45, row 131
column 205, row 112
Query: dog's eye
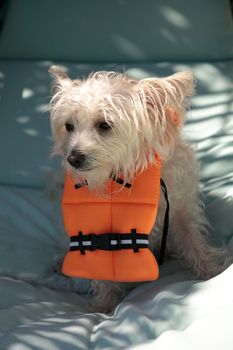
column 69, row 127
column 103, row 126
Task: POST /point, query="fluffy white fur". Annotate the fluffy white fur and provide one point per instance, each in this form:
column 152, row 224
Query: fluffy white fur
column 141, row 125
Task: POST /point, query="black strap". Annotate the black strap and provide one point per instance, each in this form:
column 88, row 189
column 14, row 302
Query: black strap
column 114, row 178
column 165, row 225
column 121, row 181
column 109, row 241
column 134, row 240
column 80, row 240
column 80, row 184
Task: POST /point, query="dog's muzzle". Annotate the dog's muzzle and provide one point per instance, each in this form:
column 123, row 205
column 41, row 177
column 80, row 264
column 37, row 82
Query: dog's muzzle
column 76, row 159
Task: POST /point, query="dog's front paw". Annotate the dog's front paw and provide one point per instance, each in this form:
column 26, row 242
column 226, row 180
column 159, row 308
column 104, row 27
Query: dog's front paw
column 106, row 295
column 102, row 307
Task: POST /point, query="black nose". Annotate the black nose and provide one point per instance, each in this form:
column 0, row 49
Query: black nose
column 76, row 159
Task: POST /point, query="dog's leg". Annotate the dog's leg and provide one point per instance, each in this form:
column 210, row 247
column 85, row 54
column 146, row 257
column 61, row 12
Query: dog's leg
column 106, row 295
column 188, row 231
column 190, row 242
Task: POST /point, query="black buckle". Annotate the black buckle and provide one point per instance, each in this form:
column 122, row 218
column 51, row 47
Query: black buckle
column 100, row 241
column 103, row 241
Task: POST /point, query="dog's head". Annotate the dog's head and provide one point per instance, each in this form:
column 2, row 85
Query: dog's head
column 111, row 124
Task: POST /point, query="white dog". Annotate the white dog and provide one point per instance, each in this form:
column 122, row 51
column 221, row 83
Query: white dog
column 109, row 124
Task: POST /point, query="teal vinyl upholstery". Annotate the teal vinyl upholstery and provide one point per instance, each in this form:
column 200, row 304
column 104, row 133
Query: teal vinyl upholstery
column 117, row 30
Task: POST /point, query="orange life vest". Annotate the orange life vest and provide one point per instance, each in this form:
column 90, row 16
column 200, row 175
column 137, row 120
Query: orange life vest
column 109, row 236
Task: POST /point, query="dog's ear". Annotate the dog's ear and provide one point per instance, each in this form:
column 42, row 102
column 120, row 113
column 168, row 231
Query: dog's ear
column 182, row 83
column 61, row 81
column 164, row 101
column 171, row 91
